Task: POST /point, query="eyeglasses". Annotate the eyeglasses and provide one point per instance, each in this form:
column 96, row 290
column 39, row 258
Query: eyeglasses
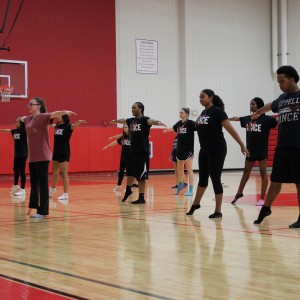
column 31, row 104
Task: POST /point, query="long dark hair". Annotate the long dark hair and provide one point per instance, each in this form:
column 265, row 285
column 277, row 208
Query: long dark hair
column 216, row 100
column 66, row 119
column 124, row 135
column 41, row 102
column 259, row 102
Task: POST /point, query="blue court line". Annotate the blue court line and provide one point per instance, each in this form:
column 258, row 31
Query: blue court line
column 116, row 286
column 41, row 287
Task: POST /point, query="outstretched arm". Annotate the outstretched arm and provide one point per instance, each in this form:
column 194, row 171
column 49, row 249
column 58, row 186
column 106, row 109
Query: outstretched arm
column 79, row 122
column 60, row 113
column 115, row 136
column 5, row 130
column 155, row 122
column 119, row 121
column 114, row 143
column 227, row 125
column 168, row 130
column 262, row 110
column 234, row 119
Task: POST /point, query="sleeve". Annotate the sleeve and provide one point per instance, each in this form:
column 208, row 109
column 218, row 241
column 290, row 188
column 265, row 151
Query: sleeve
column 119, row 141
column 69, row 127
column 128, row 121
column 274, row 106
column 175, row 127
column 46, row 118
column 145, row 121
column 12, row 132
column 222, row 115
column 243, row 121
column 192, row 125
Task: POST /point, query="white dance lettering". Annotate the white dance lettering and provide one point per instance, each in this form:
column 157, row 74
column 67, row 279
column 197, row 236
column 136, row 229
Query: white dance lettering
column 59, row 132
column 136, row 127
column 288, row 117
column 17, row 136
column 182, row 130
column 253, row 127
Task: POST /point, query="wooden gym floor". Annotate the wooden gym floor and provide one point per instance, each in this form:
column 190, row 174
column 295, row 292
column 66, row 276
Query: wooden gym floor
column 96, row 247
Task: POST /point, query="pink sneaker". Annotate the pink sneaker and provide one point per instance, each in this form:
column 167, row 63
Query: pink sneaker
column 260, row 202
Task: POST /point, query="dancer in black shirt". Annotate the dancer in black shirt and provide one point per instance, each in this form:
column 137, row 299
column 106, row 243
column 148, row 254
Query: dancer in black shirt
column 286, row 163
column 139, row 127
column 213, row 148
column 20, row 157
column 61, row 154
column 257, row 137
column 124, row 141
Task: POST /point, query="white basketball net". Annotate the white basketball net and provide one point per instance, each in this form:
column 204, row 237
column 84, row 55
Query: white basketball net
column 5, row 92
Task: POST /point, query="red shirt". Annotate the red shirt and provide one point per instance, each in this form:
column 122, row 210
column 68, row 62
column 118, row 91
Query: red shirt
column 38, row 137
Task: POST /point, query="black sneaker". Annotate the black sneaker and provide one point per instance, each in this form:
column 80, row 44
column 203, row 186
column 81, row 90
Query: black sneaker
column 135, row 185
column 237, row 196
column 175, row 186
column 215, row 215
column 295, row 225
column 139, row 201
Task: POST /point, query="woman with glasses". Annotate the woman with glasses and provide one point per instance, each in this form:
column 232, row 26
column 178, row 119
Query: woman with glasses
column 39, row 154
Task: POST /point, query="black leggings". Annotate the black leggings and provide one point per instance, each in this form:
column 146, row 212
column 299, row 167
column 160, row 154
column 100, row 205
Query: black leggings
column 211, row 165
column 121, row 171
column 39, row 195
column 19, row 171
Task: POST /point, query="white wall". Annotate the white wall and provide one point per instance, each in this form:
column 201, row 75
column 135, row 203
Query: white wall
column 224, row 45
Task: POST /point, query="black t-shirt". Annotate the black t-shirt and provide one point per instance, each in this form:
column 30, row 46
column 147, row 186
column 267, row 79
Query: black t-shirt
column 257, row 134
column 62, row 135
column 209, row 129
column 125, row 142
column 139, row 132
column 20, row 142
column 288, row 108
column 185, row 136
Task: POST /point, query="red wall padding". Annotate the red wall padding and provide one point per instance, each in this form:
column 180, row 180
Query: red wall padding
column 70, row 46
column 86, row 155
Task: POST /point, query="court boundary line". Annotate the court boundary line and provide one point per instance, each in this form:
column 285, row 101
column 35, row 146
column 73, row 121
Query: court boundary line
column 99, row 282
column 41, row 287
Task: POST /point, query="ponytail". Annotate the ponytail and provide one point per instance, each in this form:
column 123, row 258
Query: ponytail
column 216, row 100
column 41, row 102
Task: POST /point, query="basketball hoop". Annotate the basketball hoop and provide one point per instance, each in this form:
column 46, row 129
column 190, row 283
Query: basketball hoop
column 5, row 91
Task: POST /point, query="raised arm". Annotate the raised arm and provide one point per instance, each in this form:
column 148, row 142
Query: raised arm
column 119, row 121
column 78, row 123
column 155, row 122
column 60, row 113
column 234, row 119
column 227, row 125
column 5, row 130
column 114, row 143
column 115, row 136
column 262, row 110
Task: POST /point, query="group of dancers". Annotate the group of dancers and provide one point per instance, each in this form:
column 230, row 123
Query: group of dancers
column 135, row 148
column 31, row 140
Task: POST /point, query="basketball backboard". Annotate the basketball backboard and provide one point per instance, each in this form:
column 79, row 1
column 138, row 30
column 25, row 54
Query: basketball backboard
column 15, row 73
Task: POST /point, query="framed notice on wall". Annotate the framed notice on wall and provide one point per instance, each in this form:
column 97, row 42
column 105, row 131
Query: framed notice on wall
column 146, row 56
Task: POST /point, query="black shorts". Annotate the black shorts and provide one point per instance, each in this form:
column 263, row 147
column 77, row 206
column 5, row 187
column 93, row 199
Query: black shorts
column 185, row 156
column 256, row 158
column 174, row 156
column 137, row 165
column 286, row 165
column 61, row 158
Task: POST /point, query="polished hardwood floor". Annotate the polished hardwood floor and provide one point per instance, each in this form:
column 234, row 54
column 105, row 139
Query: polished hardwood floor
column 96, row 247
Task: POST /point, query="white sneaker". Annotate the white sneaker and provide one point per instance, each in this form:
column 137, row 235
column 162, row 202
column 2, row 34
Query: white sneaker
column 64, row 196
column 20, row 193
column 116, row 188
column 14, row 188
column 52, row 191
column 260, row 202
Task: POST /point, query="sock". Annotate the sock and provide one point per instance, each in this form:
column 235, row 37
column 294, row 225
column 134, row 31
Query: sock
column 180, row 187
column 264, row 212
column 191, row 188
column 128, row 192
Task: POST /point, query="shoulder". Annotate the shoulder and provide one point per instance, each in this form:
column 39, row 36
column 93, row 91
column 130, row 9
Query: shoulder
column 191, row 123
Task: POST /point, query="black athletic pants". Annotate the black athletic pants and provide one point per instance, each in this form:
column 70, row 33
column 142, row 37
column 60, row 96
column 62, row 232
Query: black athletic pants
column 121, row 171
column 19, row 171
column 211, row 165
column 39, row 195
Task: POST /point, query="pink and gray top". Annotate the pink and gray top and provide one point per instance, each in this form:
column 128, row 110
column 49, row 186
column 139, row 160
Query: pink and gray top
column 38, row 137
